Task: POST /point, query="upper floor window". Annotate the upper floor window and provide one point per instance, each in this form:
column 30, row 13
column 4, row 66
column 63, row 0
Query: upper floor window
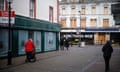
column 105, row 22
column 51, row 14
column 83, row 10
column 32, row 2
column 73, row 22
column 82, row 23
column 2, row 4
column 63, row 23
column 73, row 10
column 72, row 0
column 93, row 22
column 105, row 10
column 93, row 10
column 63, row 11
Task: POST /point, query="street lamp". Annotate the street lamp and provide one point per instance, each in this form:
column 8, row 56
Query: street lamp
column 9, row 33
column 79, row 31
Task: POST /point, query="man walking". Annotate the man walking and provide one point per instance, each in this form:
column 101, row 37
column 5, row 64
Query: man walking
column 107, row 51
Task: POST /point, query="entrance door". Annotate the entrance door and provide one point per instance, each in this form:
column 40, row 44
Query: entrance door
column 101, row 38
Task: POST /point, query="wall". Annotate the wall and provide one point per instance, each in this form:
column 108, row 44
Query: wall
column 21, row 7
column 99, row 16
column 42, row 9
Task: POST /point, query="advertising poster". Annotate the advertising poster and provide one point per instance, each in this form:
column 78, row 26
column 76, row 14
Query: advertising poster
column 50, row 41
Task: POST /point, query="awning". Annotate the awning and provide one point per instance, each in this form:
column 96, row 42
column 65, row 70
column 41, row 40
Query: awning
column 102, row 30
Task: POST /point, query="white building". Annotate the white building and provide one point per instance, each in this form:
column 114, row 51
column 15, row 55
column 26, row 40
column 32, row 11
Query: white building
column 39, row 9
column 92, row 21
column 36, row 19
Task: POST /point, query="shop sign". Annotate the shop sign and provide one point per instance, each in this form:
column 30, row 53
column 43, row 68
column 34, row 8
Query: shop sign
column 4, row 17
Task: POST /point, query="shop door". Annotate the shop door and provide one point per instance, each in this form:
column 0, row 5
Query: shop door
column 101, row 38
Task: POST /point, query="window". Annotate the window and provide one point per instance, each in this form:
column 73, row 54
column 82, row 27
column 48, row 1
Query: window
column 105, row 22
column 73, row 10
column 105, row 10
column 51, row 14
column 83, row 23
column 63, row 11
column 63, row 22
column 72, row 0
column 73, row 22
column 93, row 10
column 83, row 11
column 2, row 4
column 31, row 34
column 32, row 8
column 93, row 22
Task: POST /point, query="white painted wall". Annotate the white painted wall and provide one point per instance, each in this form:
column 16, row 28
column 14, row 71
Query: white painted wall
column 42, row 11
column 99, row 14
column 21, row 7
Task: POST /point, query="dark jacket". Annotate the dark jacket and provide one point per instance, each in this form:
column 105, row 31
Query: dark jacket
column 61, row 42
column 66, row 43
column 107, row 49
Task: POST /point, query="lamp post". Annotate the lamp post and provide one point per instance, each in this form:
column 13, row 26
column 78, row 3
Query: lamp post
column 79, row 31
column 9, row 33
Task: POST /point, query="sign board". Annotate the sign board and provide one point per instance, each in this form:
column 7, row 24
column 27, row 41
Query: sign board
column 4, row 17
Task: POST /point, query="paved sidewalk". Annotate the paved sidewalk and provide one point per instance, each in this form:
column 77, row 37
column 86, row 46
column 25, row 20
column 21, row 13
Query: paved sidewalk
column 93, row 65
column 21, row 59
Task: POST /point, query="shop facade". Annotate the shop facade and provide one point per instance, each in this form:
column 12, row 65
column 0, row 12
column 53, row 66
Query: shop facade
column 44, row 34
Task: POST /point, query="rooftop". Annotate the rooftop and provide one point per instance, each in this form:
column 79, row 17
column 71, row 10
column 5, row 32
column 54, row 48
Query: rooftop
column 86, row 1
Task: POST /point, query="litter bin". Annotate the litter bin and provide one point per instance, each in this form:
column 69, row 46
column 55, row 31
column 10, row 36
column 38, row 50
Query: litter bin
column 82, row 44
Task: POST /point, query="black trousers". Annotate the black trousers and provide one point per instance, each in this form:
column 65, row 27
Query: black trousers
column 107, row 60
column 28, row 56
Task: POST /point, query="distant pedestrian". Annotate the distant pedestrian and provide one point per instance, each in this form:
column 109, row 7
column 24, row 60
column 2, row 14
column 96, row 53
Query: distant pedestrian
column 67, row 43
column 62, row 43
column 107, row 51
column 30, row 51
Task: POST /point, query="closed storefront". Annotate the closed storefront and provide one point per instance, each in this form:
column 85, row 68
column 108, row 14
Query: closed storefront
column 45, row 36
column 3, row 42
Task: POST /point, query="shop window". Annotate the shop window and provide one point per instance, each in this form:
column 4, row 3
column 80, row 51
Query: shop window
column 1, row 44
column 31, row 34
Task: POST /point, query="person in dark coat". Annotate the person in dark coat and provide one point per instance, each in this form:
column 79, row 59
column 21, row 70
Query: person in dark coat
column 67, row 43
column 62, row 43
column 107, row 51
